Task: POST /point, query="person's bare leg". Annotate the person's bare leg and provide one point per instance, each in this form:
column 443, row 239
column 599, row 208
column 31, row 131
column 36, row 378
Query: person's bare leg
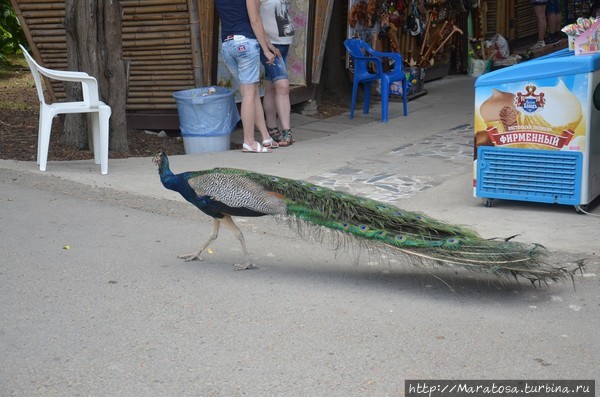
column 259, row 117
column 282, row 102
column 249, row 94
column 269, row 105
column 540, row 16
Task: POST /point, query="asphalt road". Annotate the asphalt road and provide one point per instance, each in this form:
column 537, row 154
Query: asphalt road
column 94, row 302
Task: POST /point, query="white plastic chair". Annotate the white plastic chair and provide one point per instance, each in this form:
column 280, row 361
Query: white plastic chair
column 99, row 111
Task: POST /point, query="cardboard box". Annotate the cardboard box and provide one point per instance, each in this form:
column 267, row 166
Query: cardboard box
column 589, row 41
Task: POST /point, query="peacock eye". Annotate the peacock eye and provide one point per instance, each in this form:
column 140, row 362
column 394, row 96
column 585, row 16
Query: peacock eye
column 363, row 228
column 314, row 189
column 400, row 238
column 273, row 179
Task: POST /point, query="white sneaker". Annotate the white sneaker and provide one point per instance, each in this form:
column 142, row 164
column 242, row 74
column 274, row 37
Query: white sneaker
column 538, row 45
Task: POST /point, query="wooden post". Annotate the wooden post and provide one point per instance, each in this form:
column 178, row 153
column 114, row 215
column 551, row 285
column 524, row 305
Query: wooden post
column 196, row 45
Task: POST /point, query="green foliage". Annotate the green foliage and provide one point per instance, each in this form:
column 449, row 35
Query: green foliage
column 11, row 33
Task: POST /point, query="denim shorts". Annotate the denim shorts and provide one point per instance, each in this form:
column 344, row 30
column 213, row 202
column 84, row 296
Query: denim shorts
column 242, row 58
column 276, row 70
column 553, row 7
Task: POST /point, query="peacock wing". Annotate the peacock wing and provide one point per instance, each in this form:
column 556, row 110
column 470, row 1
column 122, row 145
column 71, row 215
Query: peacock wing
column 237, row 191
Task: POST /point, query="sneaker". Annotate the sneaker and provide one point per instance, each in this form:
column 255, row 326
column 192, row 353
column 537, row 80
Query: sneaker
column 553, row 38
column 538, row 45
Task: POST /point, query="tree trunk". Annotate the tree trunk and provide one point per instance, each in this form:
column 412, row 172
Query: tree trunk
column 94, row 46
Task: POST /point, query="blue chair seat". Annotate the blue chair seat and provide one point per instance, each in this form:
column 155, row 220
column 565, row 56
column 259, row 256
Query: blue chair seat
column 363, row 56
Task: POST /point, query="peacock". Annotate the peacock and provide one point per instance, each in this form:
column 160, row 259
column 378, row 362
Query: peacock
column 223, row 193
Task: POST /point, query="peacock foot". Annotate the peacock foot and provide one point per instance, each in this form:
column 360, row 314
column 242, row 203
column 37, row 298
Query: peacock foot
column 247, row 266
column 191, row 257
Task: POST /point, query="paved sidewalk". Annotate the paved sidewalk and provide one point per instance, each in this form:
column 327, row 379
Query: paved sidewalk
column 422, row 162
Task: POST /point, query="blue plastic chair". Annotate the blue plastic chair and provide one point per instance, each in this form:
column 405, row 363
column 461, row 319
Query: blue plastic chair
column 363, row 55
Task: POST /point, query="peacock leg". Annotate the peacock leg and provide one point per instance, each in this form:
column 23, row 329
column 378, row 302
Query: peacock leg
column 228, row 221
column 213, row 236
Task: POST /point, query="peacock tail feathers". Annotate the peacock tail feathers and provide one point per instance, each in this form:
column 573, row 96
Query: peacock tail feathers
column 422, row 238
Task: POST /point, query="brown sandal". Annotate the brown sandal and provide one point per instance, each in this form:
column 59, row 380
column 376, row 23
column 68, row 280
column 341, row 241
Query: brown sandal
column 286, row 138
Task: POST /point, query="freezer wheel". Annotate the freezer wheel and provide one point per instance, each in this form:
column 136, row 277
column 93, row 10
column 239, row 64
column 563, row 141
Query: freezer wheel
column 581, row 209
column 489, row 202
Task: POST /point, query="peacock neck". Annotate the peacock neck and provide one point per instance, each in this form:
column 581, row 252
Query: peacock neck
column 168, row 179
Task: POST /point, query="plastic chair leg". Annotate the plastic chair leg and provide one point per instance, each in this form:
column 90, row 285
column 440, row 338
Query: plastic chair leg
column 103, row 120
column 44, row 138
column 385, row 95
column 39, row 143
column 94, row 120
column 404, row 96
column 367, row 92
column 353, row 102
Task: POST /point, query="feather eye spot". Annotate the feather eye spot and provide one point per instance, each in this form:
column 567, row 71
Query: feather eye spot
column 273, row 179
column 452, row 241
column 345, row 226
column 314, row 189
column 363, row 228
column 400, row 237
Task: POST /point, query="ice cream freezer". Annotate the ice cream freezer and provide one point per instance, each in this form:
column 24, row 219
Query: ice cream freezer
column 537, row 131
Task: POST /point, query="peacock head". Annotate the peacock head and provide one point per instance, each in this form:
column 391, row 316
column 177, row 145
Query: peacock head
column 161, row 160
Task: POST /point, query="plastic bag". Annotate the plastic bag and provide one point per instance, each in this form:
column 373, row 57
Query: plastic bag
column 498, row 48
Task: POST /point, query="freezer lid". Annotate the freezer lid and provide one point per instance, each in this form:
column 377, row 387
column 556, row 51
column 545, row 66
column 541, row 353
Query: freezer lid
column 558, row 63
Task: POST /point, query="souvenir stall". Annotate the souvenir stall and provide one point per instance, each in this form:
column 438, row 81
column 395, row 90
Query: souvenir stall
column 428, row 34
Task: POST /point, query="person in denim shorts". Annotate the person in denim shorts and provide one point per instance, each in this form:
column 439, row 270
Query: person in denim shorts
column 552, row 9
column 243, row 39
column 280, row 29
column 554, row 14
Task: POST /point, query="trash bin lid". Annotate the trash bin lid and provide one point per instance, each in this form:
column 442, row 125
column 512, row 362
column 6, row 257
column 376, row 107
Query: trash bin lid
column 203, row 94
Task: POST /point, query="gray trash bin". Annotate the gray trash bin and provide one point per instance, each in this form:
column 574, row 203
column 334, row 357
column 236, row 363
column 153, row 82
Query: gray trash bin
column 207, row 116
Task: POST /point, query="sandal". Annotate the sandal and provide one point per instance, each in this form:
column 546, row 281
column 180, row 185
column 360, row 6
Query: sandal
column 286, row 138
column 274, row 133
column 259, row 148
column 271, row 143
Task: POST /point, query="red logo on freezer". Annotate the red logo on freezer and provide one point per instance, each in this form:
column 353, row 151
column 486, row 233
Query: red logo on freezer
column 530, row 102
column 532, row 137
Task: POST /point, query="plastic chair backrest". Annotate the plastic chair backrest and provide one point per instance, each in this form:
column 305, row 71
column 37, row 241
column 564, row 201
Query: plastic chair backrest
column 360, row 51
column 89, row 85
column 34, row 67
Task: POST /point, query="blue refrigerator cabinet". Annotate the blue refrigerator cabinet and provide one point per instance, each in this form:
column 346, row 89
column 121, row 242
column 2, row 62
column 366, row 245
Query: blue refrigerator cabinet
column 537, row 131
